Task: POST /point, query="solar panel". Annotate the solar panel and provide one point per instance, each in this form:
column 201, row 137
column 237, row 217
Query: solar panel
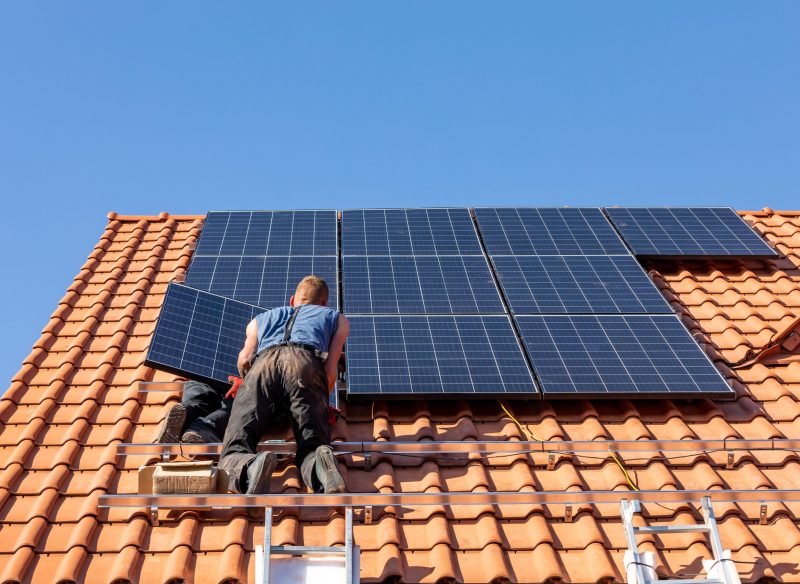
column 419, row 285
column 436, row 355
column 578, row 285
column 697, row 231
column 613, row 356
column 199, row 335
column 264, row 281
column 548, row 231
column 409, row 232
column 263, row 233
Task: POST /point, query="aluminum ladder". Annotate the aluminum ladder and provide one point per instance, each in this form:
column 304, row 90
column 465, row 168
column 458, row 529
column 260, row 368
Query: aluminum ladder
column 640, row 567
column 348, row 551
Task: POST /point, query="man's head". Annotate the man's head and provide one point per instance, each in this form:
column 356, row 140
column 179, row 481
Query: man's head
column 310, row 290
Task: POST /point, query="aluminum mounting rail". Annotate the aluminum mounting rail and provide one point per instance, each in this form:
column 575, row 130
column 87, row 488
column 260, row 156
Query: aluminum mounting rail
column 483, row 447
column 451, row 498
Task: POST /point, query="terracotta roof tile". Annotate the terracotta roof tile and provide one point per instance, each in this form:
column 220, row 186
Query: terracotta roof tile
column 75, row 398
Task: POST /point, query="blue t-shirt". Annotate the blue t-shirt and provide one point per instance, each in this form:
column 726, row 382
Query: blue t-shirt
column 315, row 325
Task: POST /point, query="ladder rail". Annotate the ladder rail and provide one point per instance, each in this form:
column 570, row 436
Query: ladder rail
column 716, row 573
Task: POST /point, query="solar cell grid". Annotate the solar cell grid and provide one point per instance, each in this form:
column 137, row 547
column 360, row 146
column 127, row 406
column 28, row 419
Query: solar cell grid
column 262, row 233
column 439, row 355
column 577, row 285
column 199, row 334
column 639, row 355
column 263, row 281
column 409, row 232
column 691, row 232
column 547, row 231
column 419, row 285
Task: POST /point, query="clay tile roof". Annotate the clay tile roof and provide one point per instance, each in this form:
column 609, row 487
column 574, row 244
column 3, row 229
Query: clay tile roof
column 75, row 398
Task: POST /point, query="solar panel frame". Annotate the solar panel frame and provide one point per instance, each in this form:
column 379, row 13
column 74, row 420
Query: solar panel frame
column 405, row 232
column 692, row 232
column 264, row 281
column 453, row 356
column 419, row 285
column 633, row 356
column 269, row 233
column 578, row 285
column 199, row 334
column 547, row 231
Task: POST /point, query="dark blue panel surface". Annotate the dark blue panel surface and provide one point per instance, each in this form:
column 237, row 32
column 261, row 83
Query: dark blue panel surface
column 578, row 285
column 547, row 231
column 198, row 334
column 436, row 355
column 419, row 285
column 261, row 233
column 698, row 232
column 264, row 281
column 614, row 356
column 409, row 232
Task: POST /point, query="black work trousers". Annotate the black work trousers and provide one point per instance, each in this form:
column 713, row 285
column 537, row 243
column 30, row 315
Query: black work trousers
column 206, row 406
column 283, row 380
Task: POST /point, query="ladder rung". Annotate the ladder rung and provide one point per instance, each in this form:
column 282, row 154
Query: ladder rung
column 671, row 529
column 299, row 550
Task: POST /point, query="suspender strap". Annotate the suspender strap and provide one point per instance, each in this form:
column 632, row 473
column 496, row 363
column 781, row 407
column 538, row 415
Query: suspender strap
column 287, row 334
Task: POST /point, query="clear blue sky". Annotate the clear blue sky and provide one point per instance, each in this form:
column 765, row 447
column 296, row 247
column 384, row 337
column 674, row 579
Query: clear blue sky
column 189, row 106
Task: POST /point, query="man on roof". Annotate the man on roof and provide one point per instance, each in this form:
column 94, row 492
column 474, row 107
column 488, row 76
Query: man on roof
column 289, row 364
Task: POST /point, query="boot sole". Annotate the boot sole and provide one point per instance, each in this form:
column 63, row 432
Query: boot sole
column 334, row 483
column 263, row 467
column 172, row 426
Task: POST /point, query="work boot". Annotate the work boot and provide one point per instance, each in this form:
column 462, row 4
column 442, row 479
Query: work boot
column 199, row 433
column 327, row 471
column 259, row 471
column 172, row 426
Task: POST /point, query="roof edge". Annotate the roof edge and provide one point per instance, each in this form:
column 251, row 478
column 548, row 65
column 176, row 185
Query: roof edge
column 767, row 212
column 163, row 216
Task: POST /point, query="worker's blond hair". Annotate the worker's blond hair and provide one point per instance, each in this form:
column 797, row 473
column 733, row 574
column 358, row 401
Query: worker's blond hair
column 314, row 288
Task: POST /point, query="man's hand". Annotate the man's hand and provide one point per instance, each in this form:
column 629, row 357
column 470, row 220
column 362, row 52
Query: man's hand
column 249, row 350
column 335, row 350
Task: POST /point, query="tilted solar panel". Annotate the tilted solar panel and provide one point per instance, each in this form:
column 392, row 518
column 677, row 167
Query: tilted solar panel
column 436, row 355
column 199, row 334
column 409, row 232
column 615, row 356
column 690, row 232
column 263, row 233
column 578, row 285
column 419, row 285
column 264, row 281
column 547, row 231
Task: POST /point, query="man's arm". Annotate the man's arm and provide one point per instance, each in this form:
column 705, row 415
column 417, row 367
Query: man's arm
column 335, row 350
column 249, row 350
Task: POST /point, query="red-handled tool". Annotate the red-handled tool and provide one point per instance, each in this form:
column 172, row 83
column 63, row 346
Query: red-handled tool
column 236, row 383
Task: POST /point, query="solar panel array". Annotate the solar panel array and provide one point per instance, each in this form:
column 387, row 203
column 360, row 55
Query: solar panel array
column 264, row 281
column 268, row 233
column 598, row 356
column 199, row 334
column 427, row 317
column 258, row 257
column 428, row 266
column 688, row 232
column 436, row 355
column 577, row 285
column 592, row 321
column 532, row 231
